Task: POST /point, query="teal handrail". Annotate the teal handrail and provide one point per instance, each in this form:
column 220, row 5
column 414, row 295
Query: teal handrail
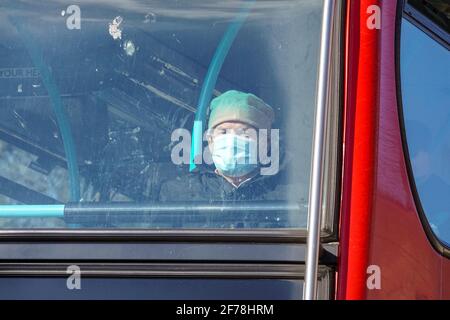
column 211, row 79
column 32, row 211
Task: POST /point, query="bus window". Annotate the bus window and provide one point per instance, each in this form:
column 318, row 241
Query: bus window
column 157, row 114
column 425, row 80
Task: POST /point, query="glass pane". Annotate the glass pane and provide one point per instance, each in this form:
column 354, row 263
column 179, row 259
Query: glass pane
column 425, row 76
column 100, row 103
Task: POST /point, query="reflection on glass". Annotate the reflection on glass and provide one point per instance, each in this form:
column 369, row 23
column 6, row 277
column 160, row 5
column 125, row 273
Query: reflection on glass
column 98, row 101
column 425, row 72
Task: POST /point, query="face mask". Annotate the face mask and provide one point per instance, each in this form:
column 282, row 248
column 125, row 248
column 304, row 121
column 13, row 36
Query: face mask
column 231, row 155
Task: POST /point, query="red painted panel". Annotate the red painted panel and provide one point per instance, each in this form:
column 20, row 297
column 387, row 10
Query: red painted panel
column 379, row 220
column 445, row 279
column 410, row 267
column 359, row 156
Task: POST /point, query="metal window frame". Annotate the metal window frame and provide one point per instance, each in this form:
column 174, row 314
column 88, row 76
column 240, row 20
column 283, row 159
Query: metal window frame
column 328, row 103
column 119, row 251
column 425, row 24
column 237, row 271
column 329, row 219
column 246, row 261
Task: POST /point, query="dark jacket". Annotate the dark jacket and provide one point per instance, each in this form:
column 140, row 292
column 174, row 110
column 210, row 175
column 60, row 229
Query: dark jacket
column 209, row 186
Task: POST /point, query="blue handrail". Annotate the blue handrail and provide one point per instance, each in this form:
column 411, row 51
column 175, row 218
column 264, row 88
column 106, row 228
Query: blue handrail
column 32, row 211
column 210, row 82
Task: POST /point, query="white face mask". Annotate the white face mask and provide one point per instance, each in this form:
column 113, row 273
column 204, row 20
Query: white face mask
column 232, row 155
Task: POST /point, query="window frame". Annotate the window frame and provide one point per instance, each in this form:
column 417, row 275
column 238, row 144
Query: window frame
column 331, row 191
column 165, row 271
column 424, row 24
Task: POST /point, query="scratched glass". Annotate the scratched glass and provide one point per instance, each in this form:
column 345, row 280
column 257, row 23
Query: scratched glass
column 92, row 94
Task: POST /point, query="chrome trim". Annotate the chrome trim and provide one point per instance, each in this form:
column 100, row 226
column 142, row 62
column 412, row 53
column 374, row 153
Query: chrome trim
column 334, row 131
column 172, row 235
column 158, row 251
column 157, row 270
column 317, row 167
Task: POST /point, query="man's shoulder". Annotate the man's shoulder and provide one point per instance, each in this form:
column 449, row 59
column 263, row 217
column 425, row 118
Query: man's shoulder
column 189, row 187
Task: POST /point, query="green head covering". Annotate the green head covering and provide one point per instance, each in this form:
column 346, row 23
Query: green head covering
column 239, row 106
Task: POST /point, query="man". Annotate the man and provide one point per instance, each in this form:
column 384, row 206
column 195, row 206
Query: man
column 234, row 122
column 234, row 119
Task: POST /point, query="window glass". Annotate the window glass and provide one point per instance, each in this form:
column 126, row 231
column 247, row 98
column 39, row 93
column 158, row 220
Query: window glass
column 425, row 79
column 100, row 103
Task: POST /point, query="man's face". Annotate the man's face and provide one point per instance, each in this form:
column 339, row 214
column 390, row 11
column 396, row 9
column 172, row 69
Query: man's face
column 233, row 146
column 237, row 128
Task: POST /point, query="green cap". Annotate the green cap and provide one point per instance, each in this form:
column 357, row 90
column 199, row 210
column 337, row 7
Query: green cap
column 243, row 107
